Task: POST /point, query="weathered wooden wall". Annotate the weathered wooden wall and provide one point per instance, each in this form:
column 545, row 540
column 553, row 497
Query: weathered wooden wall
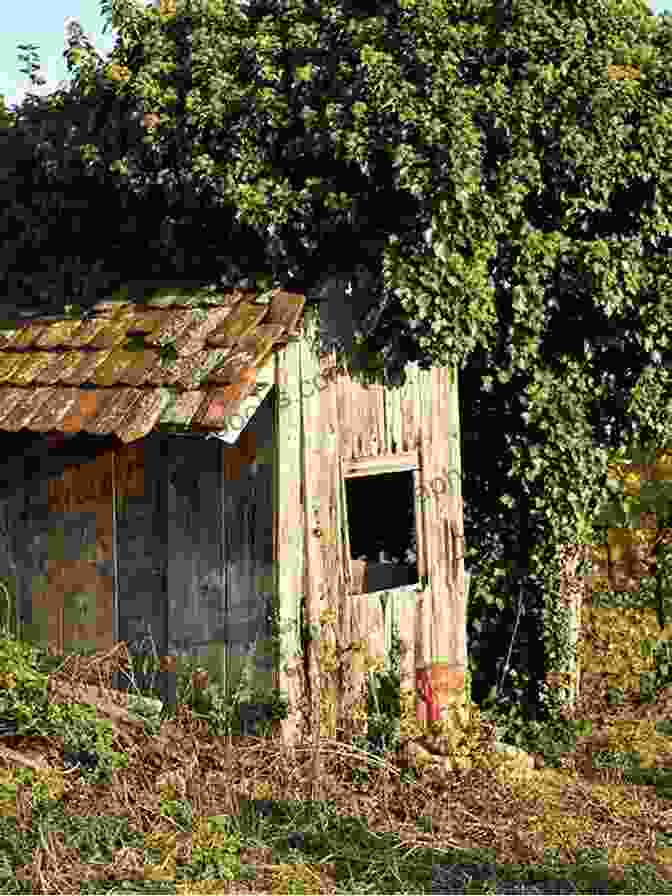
column 247, row 531
column 59, row 554
column 187, row 556
column 350, row 427
column 141, row 540
column 289, row 536
column 420, row 420
column 203, row 534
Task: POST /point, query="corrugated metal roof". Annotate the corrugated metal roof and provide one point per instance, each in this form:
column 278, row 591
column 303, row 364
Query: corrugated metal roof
column 177, row 359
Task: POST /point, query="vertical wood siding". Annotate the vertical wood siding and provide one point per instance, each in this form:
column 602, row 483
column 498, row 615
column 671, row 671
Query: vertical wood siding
column 193, row 547
column 206, row 534
column 289, row 538
column 247, row 531
column 142, row 538
column 343, row 421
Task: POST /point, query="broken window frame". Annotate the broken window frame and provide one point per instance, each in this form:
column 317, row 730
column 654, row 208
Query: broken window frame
column 373, row 466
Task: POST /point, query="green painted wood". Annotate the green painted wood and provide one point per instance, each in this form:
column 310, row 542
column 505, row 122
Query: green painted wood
column 289, row 568
column 316, row 445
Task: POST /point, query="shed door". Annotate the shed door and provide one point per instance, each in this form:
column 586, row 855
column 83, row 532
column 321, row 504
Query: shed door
column 69, row 560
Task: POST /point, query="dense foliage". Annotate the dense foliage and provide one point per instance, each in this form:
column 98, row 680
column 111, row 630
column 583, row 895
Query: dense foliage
column 486, row 185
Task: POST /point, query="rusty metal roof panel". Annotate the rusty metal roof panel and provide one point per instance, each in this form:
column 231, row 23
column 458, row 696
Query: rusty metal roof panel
column 31, row 364
column 221, row 404
column 242, row 319
column 145, row 415
column 7, row 338
column 54, row 410
column 111, row 404
column 8, row 364
column 205, row 321
column 144, row 320
column 26, row 409
column 174, row 325
column 203, row 366
column 110, row 372
column 140, row 367
column 261, row 341
column 119, row 403
column 89, row 402
column 186, row 372
column 187, row 298
column 183, row 406
column 111, row 306
column 286, row 309
column 237, row 361
column 9, row 399
column 28, row 336
column 59, row 367
column 58, row 334
column 114, row 333
column 84, row 370
column 88, row 331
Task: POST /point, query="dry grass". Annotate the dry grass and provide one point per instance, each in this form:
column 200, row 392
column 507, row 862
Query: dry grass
column 515, row 820
column 377, row 828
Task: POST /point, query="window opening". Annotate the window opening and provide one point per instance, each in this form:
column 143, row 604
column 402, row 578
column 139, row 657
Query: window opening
column 382, row 529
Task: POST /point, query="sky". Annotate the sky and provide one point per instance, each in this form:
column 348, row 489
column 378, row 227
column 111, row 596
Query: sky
column 43, row 22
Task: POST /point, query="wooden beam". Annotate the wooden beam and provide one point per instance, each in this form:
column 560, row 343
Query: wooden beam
column 390, row 463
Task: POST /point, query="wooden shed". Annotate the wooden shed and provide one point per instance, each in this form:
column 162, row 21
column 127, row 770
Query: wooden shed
column 186, row 463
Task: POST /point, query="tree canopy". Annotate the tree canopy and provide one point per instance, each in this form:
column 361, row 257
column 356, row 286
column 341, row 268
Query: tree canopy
column 396, row 158
column 471, row 183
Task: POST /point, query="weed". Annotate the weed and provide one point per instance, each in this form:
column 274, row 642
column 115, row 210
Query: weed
column 372, row 837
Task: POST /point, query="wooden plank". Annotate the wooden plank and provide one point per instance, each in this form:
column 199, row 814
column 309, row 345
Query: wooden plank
column 442, row 542
column 314, row 445
column 401, row 611
column 367, row 624
column 356, row 395
column 13, row 757
column 248, row 407
column 364, row 418
column 329, row 490
column 247, row 528
column 386, row 463
column 12, row 477
column 423, row 604
column 410, row 409
column 345, row 418
column 401, row 414
column 66, row 558
column 392, row 422
column 142, row 520
column 455, row 512
column 289, row 530
column 441, row 613
column 196, row 597
column 373, row 420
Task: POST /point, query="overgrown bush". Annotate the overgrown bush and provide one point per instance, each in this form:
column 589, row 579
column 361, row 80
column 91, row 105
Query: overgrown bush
column 24, row 701
column 383, row 706
column 651, row 683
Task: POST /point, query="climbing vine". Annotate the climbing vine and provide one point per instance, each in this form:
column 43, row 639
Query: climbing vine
column 524, row 149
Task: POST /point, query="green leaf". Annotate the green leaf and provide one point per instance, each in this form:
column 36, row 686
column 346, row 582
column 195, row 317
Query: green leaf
column 135, row 343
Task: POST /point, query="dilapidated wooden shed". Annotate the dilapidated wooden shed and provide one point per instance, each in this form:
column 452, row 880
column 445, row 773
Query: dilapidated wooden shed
column 187, row 463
